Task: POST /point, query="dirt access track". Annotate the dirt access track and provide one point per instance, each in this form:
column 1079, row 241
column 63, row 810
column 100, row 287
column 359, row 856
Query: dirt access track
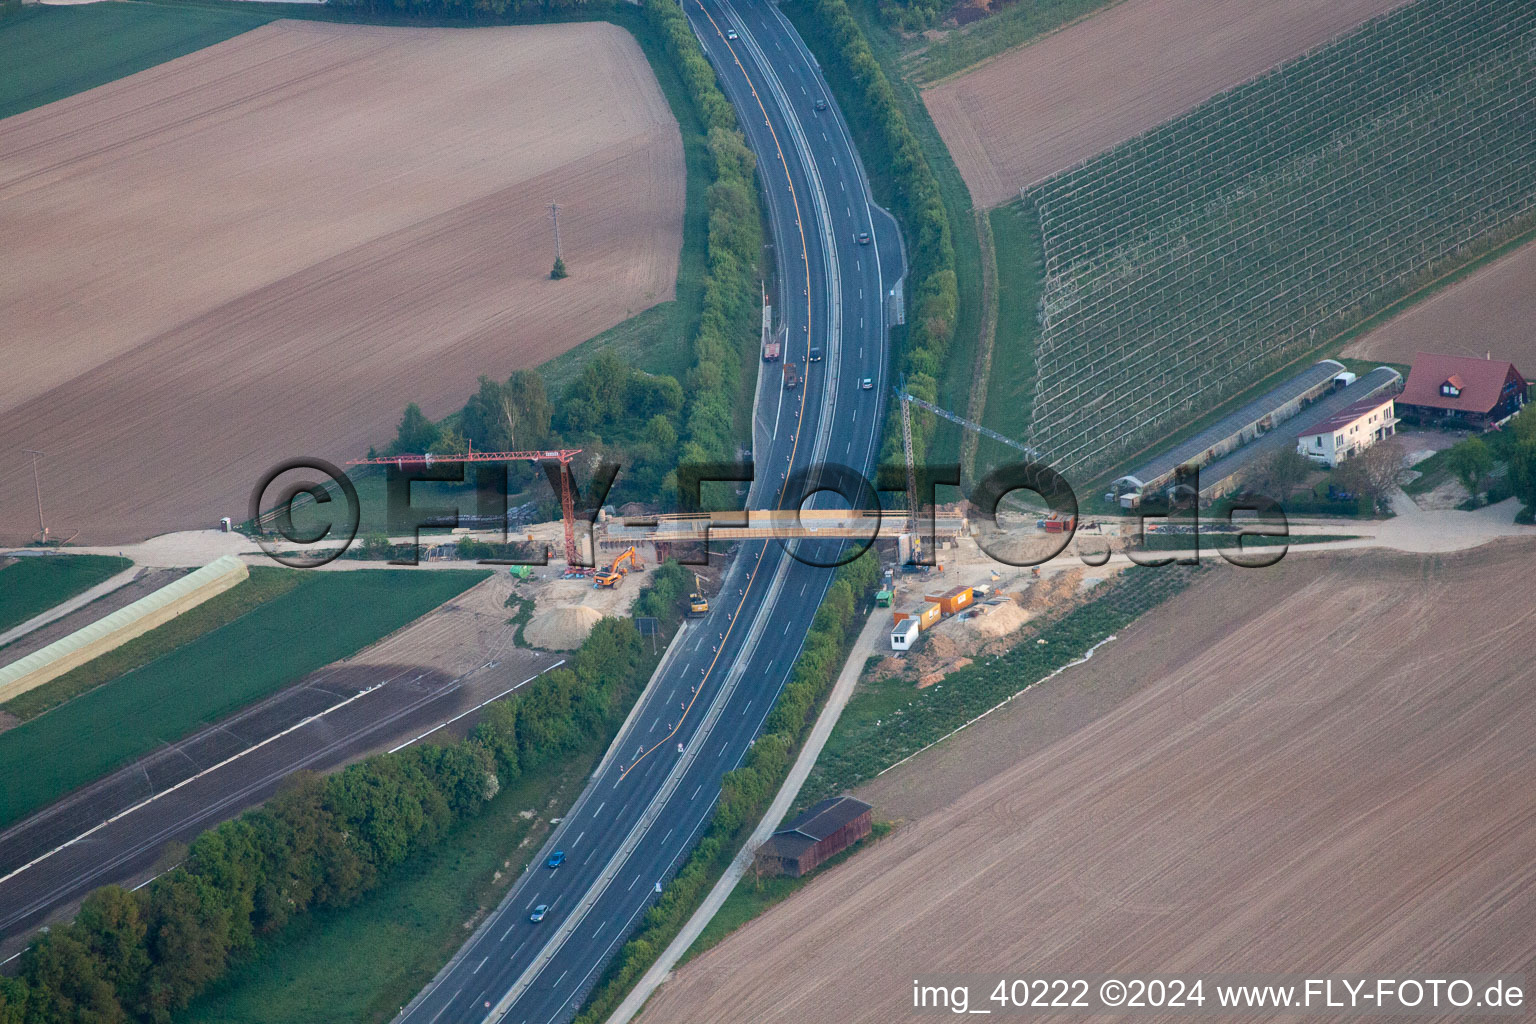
column 264, row 249
column 1320, row 767
column 1489, row 311
column 1043, row 107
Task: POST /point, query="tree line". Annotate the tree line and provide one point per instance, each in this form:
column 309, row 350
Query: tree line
column 321, row 841
column 746, row 792
column 932, row 298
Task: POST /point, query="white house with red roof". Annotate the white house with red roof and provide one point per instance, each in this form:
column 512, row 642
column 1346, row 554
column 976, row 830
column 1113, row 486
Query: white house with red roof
column 1461, row 391
column 1349, row 431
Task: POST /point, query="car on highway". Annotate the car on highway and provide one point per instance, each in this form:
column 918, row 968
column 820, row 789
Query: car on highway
column 815, row 355
column 730, row 33
column 867, row 384
column 863, row 237
column 555, row 859
column 820, row 104
column 538, row 913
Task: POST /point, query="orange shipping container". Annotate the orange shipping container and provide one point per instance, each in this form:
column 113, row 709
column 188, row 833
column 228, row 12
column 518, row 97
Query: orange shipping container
column 954, row 600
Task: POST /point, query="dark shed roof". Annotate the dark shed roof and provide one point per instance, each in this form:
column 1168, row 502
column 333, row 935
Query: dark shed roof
column 823, row 819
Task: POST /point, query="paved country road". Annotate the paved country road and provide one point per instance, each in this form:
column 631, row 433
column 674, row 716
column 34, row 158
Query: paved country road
column 651, row 798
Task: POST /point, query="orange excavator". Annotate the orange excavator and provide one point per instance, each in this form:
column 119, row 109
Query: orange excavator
column 615, row 573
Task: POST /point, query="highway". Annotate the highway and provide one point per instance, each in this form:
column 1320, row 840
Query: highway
column 651, row 797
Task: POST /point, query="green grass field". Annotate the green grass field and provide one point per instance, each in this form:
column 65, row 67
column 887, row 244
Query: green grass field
column 1011, row 385
column 264, row 585
column 32, row 585
column 54, row 52
column 328, row 616
column 363, row 963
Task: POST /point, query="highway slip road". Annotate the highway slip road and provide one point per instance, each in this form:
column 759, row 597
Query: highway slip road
column 651, row 797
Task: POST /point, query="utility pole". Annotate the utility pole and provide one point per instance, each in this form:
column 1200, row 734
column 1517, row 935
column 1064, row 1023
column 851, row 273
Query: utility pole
column 42, row 531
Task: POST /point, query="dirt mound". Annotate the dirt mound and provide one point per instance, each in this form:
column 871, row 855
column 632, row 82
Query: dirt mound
column 561, row 629
column 998, row 620
column 1049, row 591
column 938, row 677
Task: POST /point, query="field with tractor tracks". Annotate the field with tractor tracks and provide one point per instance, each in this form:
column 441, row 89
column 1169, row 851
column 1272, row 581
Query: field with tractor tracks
column 1488, row 312
column 1318, row 767
column 265, row 248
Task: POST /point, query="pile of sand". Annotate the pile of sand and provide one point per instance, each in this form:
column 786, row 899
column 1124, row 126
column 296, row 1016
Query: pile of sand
column 1049, row 591
column 997, row 620
column 561, row 629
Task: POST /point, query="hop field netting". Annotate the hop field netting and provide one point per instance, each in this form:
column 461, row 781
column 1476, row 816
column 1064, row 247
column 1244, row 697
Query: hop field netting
column 1185, row 264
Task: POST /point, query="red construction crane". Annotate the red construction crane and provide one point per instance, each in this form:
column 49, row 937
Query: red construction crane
column 560, row 455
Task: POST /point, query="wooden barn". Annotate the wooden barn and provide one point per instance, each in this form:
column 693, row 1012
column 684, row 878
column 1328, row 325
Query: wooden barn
column 1461, row 391
column 823, row 831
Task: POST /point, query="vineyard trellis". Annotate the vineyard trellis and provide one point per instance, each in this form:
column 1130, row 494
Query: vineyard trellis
column 1187, row 263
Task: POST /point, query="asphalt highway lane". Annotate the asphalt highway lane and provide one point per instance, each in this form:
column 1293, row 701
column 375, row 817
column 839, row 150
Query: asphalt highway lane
column 652, row 796
column 115, row 829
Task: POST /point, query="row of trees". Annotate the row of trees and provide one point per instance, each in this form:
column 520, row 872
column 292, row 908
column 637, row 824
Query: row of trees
column 320, row 842
column 610, row 410
column 912, row 15
column 746, row 792
column 932, row 299
column 1501, row 465
column 728, row 318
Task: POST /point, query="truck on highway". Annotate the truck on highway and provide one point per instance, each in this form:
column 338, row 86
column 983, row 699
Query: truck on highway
column 791, row 375
column 771, row 351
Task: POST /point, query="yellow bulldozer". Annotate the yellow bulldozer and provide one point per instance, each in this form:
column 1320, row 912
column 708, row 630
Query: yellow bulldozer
column 617, row 570
column 698, row 604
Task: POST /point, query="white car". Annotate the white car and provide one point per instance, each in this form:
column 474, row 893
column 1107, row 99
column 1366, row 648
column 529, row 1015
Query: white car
column 867, row 384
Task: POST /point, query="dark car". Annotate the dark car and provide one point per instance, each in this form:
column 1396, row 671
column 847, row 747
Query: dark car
column 815, row 355
column 863, row 237
column 538, row 913
column 820, row 104
column 555, row 859
column 730, row 33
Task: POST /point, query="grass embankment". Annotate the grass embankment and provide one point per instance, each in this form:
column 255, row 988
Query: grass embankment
column 34, row 584
column 362, row 963
column 54, row 52
column 1013, row 25
column 656, row 340
column 264, row 585
column 1011, row 385
column 888, row 719
column 325, row 617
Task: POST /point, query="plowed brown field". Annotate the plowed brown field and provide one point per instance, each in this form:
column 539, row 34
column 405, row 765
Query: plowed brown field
column 1490, row 311
column 1321, row 767
column 266, row 248
column 1041, row 108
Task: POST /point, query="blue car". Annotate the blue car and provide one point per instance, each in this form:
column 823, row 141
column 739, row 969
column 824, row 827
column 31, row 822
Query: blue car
column 538, row 913
column 555, row 859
